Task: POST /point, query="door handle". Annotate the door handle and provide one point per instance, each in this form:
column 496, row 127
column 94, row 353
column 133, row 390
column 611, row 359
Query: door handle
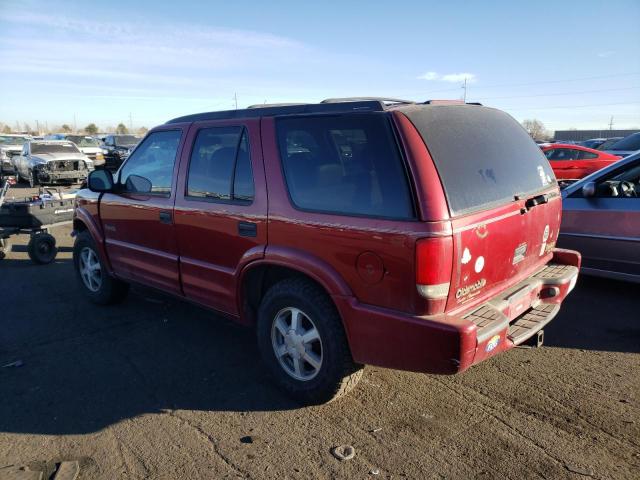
column 165, row 216
column 247, row 229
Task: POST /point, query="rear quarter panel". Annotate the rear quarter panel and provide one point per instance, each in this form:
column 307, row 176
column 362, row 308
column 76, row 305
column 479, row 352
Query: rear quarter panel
column 374, row 257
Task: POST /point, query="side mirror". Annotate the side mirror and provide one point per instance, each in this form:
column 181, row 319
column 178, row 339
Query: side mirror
column 100, row 181
column 589, row 189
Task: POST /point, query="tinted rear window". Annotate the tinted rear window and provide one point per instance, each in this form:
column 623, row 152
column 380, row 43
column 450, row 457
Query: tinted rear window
column 483, row 155
column 347, row 165
column 632, row 142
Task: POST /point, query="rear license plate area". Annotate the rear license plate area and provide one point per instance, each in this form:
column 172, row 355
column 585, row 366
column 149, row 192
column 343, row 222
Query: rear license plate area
column 518, row 302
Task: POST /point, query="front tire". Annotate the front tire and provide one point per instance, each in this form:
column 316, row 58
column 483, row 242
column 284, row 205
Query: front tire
column 96, row 284
column 32, row 179
column 303, row 343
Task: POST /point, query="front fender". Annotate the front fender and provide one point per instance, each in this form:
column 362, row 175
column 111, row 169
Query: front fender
column 85, row 218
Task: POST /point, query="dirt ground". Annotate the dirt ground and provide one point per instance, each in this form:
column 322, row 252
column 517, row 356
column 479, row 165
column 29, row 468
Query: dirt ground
column 158, row 388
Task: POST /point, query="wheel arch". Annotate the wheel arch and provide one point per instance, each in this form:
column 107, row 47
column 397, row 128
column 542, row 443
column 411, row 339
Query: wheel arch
column 84, row 222
column 278, row 264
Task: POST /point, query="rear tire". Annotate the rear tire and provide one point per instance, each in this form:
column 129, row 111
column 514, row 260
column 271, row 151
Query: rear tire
column 315, row 371
column 96, row 284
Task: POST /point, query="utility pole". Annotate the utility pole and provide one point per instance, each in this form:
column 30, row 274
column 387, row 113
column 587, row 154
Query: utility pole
column 235, row 99
column 75, row 125
column 464, row 97
column 611, row 123
column 38, row 127
column 130, row 122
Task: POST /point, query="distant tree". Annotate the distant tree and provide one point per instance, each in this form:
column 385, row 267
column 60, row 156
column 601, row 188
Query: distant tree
column 142, row 131
column 26, row 128
column 65, row 128
column 6, row 129
column 536, row 129
column 121, row 128
column 91, row 129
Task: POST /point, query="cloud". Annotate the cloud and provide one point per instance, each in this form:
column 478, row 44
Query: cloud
column 128, row 52
column 429, row 76
column 449, row 77
column 606, row 54
column 459, row 77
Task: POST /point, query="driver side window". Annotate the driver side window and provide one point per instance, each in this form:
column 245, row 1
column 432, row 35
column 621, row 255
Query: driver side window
column 149, row 169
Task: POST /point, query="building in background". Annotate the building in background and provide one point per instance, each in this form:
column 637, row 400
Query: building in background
column 580, row 135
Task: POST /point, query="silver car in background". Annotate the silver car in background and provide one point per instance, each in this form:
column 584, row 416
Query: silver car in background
column 601, row 220
column 10, row 146
column 52, row 162
column 87, row 144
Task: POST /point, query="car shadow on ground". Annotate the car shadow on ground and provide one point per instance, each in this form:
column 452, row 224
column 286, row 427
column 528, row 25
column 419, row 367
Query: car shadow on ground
column 81, row 368
column 600, row 314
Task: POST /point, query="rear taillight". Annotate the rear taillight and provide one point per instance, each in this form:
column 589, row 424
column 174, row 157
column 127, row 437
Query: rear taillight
column 434, row 259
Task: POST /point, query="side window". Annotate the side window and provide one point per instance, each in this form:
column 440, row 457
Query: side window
column 220, row 166
column 348, row 165
column 586, row 155
column 560, row 154
column 149, row 169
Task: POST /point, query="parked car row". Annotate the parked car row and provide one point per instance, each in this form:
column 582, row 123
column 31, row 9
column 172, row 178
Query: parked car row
column 21, row 156
column 572, row 161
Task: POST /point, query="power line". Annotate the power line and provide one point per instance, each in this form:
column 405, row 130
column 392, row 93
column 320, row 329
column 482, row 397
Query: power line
column 571, row 106
column 562, row 93
column 529, row 83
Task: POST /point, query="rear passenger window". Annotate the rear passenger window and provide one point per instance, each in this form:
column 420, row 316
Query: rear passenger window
column 586, row 155
column 562, row 154
column 344, row 164
column 220, row 166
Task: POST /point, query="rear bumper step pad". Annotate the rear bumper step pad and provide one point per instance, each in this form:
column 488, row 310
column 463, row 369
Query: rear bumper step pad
column 490, row 319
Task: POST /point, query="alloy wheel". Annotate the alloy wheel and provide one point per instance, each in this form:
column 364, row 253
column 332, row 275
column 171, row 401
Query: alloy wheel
column 296, row 344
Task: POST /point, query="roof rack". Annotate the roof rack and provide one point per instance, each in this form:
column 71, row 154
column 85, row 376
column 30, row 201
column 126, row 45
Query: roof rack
column 290, row 109
column 450, row 102
column 267, row 105
column 367, row 99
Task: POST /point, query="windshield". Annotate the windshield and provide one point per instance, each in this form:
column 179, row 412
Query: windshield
column 37, row 148
column 83, row 141
column 126, row 140
column 608, row 143
column 483, row 155
column 5, row 140
column 632, row 142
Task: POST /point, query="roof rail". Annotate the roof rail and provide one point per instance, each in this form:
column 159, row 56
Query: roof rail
column 267, row 105
column 367, row 99
column 450, row 102
column 291, row 109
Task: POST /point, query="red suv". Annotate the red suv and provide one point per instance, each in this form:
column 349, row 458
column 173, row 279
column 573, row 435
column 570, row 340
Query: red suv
column 355, row 231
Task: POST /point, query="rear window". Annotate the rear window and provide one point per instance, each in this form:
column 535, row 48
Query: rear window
column 346, row 165
column 483, row 156
column 632, row 142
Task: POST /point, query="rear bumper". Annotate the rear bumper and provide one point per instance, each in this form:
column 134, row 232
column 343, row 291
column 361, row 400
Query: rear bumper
column 450, row 344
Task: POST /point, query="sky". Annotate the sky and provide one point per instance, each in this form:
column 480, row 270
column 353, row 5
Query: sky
column 570, row 64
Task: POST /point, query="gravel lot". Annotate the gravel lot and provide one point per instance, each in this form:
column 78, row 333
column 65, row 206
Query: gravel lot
column 158, row 388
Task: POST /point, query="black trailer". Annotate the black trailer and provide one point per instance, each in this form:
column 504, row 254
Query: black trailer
column 34, row 216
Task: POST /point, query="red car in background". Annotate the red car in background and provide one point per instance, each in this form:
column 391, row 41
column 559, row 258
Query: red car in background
column 573, row 162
